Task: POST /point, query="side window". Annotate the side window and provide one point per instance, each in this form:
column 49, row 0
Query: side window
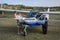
column 38, row 15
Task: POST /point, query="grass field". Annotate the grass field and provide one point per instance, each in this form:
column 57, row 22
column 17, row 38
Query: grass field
column 8, row 31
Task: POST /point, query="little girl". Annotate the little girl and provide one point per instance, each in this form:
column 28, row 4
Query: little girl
column 19, row 24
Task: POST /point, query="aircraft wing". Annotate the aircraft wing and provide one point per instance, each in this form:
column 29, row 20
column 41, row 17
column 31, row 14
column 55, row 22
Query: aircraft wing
column 50, row 12
column 13, row 10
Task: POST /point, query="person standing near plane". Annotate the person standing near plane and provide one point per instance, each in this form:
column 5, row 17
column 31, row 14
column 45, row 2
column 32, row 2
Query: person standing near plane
column 19, row 23
column 45, row 26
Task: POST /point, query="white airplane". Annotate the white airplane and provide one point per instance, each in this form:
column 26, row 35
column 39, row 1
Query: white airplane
column 30, row 19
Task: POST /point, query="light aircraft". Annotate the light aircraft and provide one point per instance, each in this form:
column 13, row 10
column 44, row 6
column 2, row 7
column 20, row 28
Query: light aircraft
column 31, row 20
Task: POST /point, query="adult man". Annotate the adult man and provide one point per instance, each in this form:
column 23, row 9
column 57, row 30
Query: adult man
column 44, row 26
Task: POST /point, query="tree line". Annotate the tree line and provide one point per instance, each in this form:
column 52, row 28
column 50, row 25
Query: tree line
column 23, row 7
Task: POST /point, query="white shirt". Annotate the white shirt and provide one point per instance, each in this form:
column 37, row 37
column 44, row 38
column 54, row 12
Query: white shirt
column 18, row 17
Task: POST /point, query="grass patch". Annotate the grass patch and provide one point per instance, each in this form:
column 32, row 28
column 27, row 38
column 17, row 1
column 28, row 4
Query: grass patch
column 8, row 31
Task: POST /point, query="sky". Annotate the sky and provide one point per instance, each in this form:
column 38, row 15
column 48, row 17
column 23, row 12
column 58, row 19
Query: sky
column 39, row 3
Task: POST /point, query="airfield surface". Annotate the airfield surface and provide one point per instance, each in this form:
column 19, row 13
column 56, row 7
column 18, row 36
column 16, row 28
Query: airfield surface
column 8, row 30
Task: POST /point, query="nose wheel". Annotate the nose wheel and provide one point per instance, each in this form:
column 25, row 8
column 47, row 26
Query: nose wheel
column 24, row 30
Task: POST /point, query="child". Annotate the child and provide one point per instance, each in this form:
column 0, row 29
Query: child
column 19, row 24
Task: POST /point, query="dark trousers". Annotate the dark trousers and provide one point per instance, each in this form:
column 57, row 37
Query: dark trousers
column 44, row 28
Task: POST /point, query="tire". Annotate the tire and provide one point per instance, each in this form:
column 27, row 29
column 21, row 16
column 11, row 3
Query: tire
column 24, row 31
column 24, row 34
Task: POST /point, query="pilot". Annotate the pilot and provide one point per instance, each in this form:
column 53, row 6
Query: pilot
column 19, row 23
column 45, row 25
